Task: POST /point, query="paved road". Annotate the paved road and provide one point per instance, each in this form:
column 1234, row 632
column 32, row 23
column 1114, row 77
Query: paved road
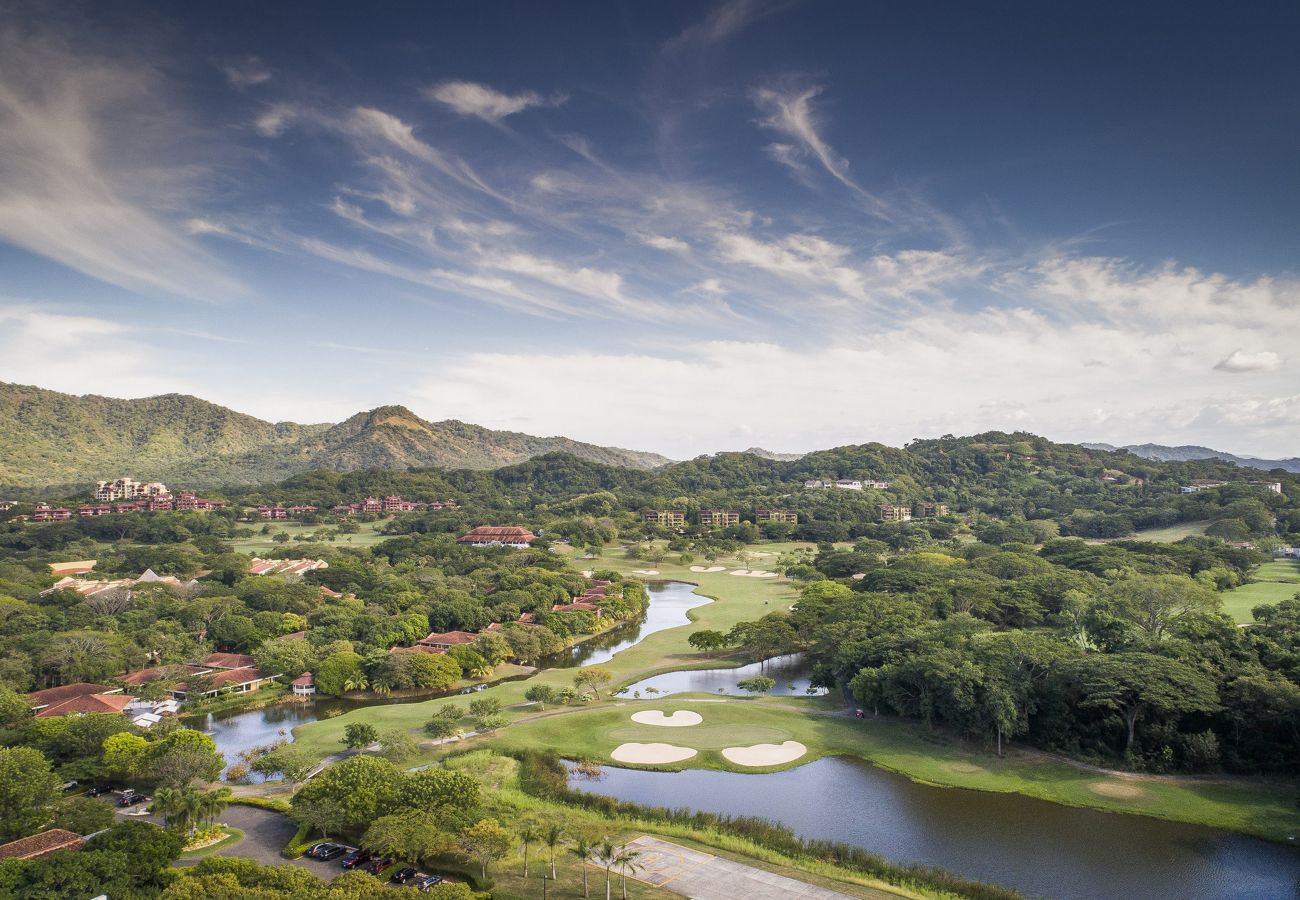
column 265, row 834
column 702, row 876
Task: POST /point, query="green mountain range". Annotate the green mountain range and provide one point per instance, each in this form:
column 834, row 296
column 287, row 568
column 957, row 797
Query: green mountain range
column 50, row 440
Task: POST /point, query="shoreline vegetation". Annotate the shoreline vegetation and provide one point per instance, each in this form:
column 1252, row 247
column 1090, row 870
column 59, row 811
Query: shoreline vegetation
column 1262, row 808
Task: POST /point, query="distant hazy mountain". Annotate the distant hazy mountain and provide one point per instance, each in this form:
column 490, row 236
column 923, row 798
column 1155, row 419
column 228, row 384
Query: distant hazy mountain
column 768, row 454
column 51, row 439
column 1186, row 453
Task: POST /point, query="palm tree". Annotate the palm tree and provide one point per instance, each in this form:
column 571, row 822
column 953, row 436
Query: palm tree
column 629, row 862
column 582, row 848
column 213, row 802
column 191, row 809
column 382, row 684
column 529, row 834
column 607, row 856
column 166, row 803
column 356, row 683
column 552, row 838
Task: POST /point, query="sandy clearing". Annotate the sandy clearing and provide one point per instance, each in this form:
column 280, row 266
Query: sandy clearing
column 708, row 568
column 645, row 571
column 679, row 719
column 739, row 572
column 1116, row 790
column 757, row 573
column 650, row 754
column 765, row 754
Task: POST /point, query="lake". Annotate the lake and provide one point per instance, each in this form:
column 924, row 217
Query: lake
column 789, row 672
column 1039, row 848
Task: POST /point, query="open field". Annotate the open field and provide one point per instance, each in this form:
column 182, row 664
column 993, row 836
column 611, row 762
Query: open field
column 1278, row 580
column 261, row 543
column 1171, row 533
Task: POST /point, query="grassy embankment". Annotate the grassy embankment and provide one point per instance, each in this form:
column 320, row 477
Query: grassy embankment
column 1254, row 807
column 1277, row 581
column 1171, row 533
column 259, row 543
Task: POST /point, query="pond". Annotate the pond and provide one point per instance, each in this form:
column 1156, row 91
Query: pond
column 1039, row 848
column 669, row 603
column 236, row 731
column 791, row 674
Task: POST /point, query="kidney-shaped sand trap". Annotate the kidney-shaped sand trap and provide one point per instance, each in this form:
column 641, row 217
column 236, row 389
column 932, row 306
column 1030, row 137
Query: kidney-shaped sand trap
column 645, row 571
column 678, row 719
column 764, row 754
column 649, row 754
column 708, row 568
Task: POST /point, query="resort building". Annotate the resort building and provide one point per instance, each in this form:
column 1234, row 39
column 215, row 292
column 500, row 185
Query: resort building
column 77, row 699
column 442, row 642
column 1274, row 486
column 891, row 513
column 664, row 518
column 929, row 510
column 285, row 566
column 89, row 511
column 397, row 504
column 718, row 518
column 777, row 515
column 1204, row 485
column 45, row 513
column 499, row 536
column 848, row 484
column 37, row 845
column 304, row 684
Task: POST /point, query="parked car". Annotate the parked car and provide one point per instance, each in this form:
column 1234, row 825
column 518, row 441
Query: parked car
column 334, row 852
column 98, row 790
column 356, row 858
column 424, row 882
column 404, row 874
column 378, row 864
column 317, row 851
column 131, row 798
column 69, row 785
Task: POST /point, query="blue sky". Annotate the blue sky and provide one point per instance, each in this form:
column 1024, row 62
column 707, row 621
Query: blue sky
column 681, row 227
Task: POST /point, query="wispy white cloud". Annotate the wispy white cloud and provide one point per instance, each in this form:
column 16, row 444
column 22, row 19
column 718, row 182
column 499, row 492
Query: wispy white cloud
column 469, row 98
column 245, row 73
column 84, row 142
column 662, row 242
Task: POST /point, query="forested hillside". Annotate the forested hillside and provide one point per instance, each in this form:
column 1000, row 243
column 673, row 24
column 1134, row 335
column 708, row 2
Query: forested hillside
column 54, row 441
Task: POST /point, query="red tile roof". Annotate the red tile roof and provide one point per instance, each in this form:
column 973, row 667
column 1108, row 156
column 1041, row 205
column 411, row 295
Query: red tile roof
column 304, row 680
column 146, row 675
column 449, row 638
column 489, row 534
column 41, row 844
column 67, row 692
column 87, row 704
column 239, row 676
column 228, row 660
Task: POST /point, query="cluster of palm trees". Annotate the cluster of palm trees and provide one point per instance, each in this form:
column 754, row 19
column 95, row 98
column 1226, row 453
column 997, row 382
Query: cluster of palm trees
column 185, row 808
column 604, row 852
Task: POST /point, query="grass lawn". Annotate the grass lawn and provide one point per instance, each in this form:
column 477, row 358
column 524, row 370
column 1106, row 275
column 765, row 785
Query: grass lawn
column 233, row 836
column 1172, row 533
column 262, row 543
column 1277, row 581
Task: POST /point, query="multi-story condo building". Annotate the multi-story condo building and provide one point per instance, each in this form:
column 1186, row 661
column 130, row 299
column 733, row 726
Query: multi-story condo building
column 777, row 515
column 665, row 518
column 718, row 518
column 891, row 513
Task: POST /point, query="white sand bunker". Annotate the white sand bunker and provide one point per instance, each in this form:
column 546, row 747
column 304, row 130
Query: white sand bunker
column 708, row 568
column 645, row 571
column 679, row 719
column 759, row 573
column 764, row 754
column 650, row 754
column 739, row 572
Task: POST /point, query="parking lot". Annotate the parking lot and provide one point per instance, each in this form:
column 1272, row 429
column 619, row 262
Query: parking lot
column 702, row 876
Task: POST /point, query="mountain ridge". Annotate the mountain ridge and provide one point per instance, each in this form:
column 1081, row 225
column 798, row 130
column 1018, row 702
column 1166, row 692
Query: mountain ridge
column 1190, row 452
column 50, row 439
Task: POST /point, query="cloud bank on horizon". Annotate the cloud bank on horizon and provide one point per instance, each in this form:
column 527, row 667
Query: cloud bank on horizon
column 679, row 228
